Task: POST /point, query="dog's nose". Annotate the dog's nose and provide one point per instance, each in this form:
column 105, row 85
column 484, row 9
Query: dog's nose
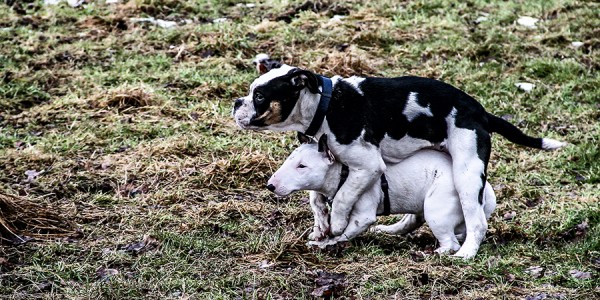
column 271, row 187
column 238, row 103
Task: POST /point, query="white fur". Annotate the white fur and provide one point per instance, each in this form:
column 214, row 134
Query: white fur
column 462, row 145
column 365, row 165
column 551, row 144
column 355, row 82
column 393, row 150
column 422, row 186
column 413, row 109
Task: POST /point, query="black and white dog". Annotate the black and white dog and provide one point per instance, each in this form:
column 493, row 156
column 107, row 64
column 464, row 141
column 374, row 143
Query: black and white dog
column 372, row 121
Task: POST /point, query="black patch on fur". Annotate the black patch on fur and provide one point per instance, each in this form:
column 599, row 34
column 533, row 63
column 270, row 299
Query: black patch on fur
column 379, row 111
column 303, row 138
column 278, row 90
column 483, row 179
column 512, row 133
column 285, row 90
column 348, row 113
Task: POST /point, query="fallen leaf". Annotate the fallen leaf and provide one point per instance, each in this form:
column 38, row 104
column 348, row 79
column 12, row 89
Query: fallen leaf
column 4, row 262
column 147, row 244
column 580, row 274
column 32, row 175
column 509, row 215
column 329, row 284
column 44, row 286
column 540, row 296
column 265, row 264
column 583, row 226
column 105, row 273
column 576, row 232
column 105, row 165
column 194, row 116
column 535, row 271
column 342, row 47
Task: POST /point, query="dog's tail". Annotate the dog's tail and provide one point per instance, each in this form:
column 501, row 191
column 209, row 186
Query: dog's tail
column 515, row 135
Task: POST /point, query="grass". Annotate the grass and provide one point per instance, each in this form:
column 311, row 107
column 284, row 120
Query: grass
column 131, row 125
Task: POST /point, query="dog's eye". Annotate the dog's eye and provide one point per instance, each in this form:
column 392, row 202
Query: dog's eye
column 301, row 166
column 259, row 98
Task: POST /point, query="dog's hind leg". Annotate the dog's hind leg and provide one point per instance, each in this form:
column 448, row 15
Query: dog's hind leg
column 407, row 224
column 470, row 151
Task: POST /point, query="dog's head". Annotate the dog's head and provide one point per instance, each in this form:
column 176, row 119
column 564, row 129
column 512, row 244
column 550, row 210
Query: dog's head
column 274, row 95
column 307, row 168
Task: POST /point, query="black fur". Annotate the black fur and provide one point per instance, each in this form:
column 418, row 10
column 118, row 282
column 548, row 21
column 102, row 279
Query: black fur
column 285, row 90
column 380, row 110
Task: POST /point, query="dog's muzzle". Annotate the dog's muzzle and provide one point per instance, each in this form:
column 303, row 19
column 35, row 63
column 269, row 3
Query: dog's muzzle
column 238, row 103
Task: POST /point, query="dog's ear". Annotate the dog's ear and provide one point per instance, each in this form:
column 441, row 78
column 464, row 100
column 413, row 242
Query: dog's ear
column 304, row 139
column 305, row 79
column 324, row 148
column 264, row 63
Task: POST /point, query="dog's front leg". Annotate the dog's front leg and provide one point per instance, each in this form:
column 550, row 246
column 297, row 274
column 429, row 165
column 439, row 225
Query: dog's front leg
column 363, row 215
column 366, row 166
column 321, row 215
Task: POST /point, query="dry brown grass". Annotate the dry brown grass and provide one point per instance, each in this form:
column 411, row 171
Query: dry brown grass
column 21, row 218
column 124, row 98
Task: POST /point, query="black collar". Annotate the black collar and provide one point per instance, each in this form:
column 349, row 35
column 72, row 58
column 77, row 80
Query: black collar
column 384, row 187
column 319, row 116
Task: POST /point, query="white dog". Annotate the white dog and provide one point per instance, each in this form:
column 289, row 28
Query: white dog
column 421, row 185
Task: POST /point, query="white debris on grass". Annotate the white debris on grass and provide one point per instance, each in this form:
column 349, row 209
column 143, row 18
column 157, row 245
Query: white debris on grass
column 248, row 5
column 111, row 1
column 334, row 21
column 528, row 22
column 525, row 86
column 480, row 19
column 219, row 20
column 165, row 24
column 157, row 22
column 72, row 3
column 338, row 18
column 484, row 17
column 577, row 44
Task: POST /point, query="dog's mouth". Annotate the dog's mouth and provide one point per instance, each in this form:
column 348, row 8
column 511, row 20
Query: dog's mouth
column 282, row 193
column 247, row 126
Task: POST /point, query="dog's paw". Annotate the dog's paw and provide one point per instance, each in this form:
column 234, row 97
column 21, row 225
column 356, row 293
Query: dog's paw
column 317, row 234
column 444, row 250
column 464, row 254
column 338, row 226
column 323, row 244
column 380, row 229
